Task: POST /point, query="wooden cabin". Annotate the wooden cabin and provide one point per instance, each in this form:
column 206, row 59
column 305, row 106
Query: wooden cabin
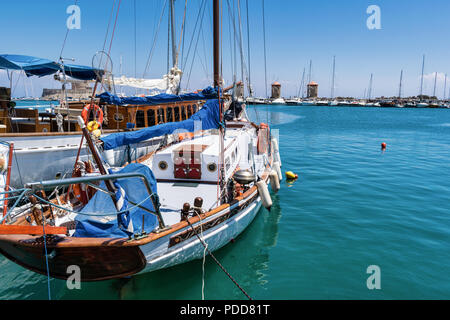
column 116, row 118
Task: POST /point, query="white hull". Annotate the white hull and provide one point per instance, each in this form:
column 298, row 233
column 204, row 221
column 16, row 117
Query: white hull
column 159, row 255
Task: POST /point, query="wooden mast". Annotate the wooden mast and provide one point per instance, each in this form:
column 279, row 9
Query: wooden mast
column 216, row 26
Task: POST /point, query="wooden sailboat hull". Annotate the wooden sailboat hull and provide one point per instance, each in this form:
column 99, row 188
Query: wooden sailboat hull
column 103, row 259
column 95, row 262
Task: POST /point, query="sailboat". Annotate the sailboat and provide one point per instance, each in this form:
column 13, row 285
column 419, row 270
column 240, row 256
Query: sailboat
column 198, row 190
column 52, row 139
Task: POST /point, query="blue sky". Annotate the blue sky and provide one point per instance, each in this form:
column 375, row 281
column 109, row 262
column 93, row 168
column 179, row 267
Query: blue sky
column 297, row 31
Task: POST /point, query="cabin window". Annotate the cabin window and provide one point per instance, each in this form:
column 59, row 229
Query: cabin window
column 140, row 119
column 183, row 113
column 169, row 113
column 189, row 111
column 177, row 113
column 194, row 108
column 151, row 119
column 160, row 116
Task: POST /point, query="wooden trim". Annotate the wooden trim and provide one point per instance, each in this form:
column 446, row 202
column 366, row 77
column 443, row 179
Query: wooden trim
column 37, row 230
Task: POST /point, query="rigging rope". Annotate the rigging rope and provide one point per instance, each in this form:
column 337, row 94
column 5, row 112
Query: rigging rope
column 46, row 257
column 150, row 55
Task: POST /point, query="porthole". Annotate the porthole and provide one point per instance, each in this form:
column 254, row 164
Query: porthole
column 162, row 165
column 212, row 167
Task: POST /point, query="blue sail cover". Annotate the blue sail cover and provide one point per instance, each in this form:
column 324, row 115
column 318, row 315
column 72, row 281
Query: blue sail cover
column 33, row 66
column 82, row 72
column 208, row 115
column 91, row 226
column 205, row 94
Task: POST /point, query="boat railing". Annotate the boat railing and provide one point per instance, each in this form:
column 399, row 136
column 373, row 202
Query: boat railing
column 34, row 187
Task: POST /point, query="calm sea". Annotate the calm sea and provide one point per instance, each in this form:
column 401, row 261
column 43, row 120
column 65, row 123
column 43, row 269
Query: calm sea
column 353, row 206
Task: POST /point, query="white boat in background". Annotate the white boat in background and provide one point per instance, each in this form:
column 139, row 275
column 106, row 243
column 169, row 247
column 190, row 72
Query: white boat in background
column 278, row 101
column 333, row 103
column 321, row 103
column 308, row 103
column 422, row 105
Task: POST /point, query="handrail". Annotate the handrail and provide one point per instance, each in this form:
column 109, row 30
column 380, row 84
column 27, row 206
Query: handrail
column 34, row 186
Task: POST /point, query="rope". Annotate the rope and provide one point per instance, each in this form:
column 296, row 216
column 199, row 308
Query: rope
column 46, row 257
column 92, row 214
column 217, row 261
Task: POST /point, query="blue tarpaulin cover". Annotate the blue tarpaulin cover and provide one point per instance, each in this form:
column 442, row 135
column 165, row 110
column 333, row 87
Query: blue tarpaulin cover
column 33, row 66
column 101, row 203
column 208, row 117
column 205, row 94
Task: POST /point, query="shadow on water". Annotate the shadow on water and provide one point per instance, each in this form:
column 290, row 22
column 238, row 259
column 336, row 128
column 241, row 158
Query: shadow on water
column 246, row 258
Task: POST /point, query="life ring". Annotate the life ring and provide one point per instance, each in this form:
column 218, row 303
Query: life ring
column 98, row 113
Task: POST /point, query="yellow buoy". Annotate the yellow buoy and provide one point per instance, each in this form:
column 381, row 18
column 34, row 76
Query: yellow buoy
column 290, row 175
column 92, row 126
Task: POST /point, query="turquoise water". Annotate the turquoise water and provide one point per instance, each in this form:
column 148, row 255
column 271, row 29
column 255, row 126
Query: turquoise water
column 41, row 105
column 353, row 206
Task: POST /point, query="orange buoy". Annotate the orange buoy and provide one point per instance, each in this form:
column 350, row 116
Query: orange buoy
column 383, row 145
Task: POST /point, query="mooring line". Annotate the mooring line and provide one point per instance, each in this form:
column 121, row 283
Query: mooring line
column 217, row 261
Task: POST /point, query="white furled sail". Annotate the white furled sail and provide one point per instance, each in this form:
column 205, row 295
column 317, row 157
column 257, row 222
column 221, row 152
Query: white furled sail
column 169, row 83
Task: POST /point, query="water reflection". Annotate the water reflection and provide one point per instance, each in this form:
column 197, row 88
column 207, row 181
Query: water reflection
column 247, row 259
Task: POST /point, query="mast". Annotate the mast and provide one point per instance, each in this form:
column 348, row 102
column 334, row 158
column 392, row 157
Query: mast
column 216, row 32
column 172, row 28
column 250, row 90
column 369, row 94
column 421, row 78
column 400, row 85
column 445, row 86
column 301, row 89
column 332, row 80
column 434, row 88
column 310, row 72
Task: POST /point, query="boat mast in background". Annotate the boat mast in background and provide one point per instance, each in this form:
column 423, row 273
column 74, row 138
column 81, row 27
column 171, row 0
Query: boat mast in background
column 445, row 86
column 369, row 93
column 400, row 85
column 435, row 80
column 332, row 79
column 421, row 78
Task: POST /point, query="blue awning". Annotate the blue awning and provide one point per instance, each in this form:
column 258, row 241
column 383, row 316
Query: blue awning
column 33, row 66
column 205, row 94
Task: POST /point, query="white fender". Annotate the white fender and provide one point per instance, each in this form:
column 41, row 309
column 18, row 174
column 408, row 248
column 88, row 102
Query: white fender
column 276, row 167
column 274, row 181
column 276, row 151
column 264, row 194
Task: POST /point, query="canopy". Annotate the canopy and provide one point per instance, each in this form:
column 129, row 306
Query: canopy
column 205, row 94
column 94, row 225
column 33, row 66
column 208, row 117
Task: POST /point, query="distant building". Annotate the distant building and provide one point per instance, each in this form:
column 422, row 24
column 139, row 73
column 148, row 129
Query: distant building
column 276, row 90
column 79, row 90
column 313, row 89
